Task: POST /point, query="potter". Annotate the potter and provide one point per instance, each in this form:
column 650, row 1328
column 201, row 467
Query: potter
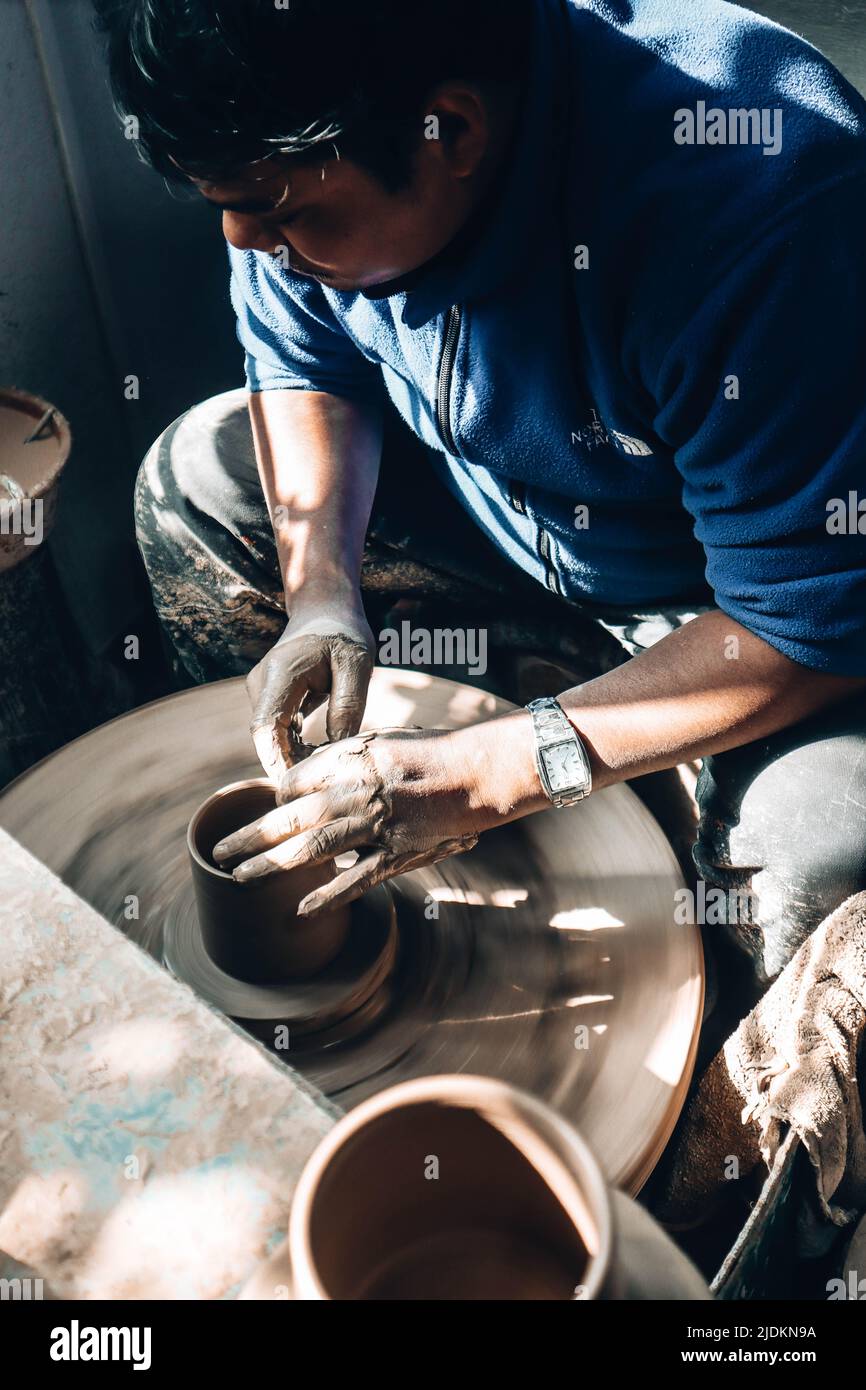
column 370, row 261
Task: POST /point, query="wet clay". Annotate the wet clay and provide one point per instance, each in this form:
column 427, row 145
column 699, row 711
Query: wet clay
column 251, row 930
column 432, row 1201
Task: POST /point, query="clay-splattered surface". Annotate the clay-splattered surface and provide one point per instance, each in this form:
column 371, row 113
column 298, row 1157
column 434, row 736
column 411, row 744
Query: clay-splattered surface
column 147, row 1148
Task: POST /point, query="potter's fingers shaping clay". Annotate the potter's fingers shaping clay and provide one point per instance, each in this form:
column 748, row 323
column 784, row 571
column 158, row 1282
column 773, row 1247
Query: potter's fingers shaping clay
column 299, row 672
column 350, row 884
column 351, row 668
column 313, row 847
column 327, row 764
column 273, row 721
column 303, row 813
column 274, row 749
column 375, row 868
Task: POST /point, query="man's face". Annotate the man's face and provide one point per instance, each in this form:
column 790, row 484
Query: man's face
column 340, row 225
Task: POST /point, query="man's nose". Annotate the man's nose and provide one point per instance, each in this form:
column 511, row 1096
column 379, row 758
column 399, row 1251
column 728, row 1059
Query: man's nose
column 247, row 233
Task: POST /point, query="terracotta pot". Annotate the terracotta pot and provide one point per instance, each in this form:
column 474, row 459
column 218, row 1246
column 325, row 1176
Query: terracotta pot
column 251, row 930
column 461, row 1187
column 29, row 473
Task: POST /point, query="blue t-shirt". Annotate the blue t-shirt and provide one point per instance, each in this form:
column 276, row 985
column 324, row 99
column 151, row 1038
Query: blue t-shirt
column 647, row 375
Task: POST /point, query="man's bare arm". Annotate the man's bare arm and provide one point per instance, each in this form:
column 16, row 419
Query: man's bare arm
column 318, row 457
column 407, row 797
column 681, row 700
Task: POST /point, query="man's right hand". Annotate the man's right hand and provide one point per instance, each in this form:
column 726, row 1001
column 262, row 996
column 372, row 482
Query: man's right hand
column 327, row 656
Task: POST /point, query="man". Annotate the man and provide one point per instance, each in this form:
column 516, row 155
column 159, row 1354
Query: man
column 606, row 260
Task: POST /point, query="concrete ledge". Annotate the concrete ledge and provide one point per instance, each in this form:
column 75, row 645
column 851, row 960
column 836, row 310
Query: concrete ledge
column 148, row 1149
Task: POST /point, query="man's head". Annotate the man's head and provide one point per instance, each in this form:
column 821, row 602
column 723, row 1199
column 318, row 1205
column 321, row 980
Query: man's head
column 360, row 134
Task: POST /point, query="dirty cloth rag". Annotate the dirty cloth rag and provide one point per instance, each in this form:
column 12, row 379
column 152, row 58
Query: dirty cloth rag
column 793, row 1059
column 790, row 1065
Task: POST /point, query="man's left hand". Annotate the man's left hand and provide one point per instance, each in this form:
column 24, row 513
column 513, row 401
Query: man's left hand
column 400, row 797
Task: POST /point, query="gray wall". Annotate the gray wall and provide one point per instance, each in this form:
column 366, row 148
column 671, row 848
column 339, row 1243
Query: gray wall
column 103, row 274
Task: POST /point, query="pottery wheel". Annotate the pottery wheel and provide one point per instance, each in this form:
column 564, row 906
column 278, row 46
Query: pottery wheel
column 548, row 956
column 339, row 1003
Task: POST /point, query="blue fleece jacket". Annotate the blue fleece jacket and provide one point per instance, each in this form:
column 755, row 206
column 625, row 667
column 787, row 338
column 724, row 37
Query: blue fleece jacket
column 647, row 377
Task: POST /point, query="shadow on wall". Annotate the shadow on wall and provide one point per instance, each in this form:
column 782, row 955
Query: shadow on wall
column 114, row 307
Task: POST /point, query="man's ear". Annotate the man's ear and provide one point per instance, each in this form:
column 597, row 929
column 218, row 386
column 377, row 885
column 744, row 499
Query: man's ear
column 457, row 125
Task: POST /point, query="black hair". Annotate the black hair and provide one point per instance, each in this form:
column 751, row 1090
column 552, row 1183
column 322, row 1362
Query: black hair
column 219, row 84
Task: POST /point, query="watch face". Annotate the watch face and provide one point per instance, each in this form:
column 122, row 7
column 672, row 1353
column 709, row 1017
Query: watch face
column 564, row 767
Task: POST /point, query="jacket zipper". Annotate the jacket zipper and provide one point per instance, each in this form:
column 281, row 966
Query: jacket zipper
column 545, row 549
column 517, row 491
column 517, row 496
column 446, row 377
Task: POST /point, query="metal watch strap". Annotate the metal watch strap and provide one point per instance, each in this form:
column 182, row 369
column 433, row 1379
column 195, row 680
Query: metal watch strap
column 552, row 728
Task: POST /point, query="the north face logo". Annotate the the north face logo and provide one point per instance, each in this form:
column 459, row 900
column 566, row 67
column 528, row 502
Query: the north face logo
column 597, row 433
column 631, row 445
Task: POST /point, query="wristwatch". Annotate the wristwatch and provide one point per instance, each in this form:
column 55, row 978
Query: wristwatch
column 561, row 759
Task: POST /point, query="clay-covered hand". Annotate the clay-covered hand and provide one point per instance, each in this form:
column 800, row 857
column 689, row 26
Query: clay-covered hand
column 319, row 657
column 400, row 797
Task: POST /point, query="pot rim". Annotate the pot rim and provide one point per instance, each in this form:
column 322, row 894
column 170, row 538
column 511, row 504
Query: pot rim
column 246, row 784
column 569, row 1167
column 34, row 407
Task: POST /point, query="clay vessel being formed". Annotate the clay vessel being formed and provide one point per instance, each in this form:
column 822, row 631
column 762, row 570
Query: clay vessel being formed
column 464, row 1188
column 251, row 930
